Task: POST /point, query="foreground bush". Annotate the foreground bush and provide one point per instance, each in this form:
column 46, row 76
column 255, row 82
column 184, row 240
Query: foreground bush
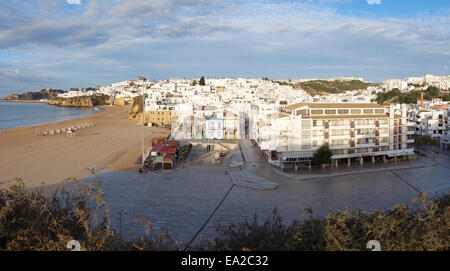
column 31, row 221
column 401, row 228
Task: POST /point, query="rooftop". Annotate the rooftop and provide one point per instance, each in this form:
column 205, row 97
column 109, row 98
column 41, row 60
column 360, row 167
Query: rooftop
column 349, row 116
column 335, row 105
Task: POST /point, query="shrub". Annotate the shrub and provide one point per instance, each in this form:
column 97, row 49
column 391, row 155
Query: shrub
column 401, row 228
column 185, row 151
column 31, row 221
column 322, row 155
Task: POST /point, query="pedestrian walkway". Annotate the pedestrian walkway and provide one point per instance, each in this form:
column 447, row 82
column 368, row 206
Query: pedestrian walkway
column 426, row 164
column 246, row 178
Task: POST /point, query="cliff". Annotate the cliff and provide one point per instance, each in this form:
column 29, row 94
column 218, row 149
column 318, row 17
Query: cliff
column 82, row 101
column 47, row 94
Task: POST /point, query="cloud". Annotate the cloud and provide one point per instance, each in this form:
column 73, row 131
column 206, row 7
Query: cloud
column 74, row 2
column 374, row 2
column 108, row 41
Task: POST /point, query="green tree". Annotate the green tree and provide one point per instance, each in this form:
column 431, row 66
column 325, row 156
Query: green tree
column 202, row 81
column 418, row 142
column 194, row 82
column 431, row 92
column 412, row 97
column 322, row 155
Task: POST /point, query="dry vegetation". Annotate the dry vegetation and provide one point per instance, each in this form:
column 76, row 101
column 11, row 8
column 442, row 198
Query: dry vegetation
column 323, row 87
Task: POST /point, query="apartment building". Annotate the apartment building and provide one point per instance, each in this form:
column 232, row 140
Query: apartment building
column 430, row 118
column 353, row 131
column 445, row 139
column 431, row 123
column 207, row 122
column 162, row 117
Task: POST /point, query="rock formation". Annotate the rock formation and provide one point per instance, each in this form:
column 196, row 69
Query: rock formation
column 45, row 94
column 135, row 111
column 81, row 101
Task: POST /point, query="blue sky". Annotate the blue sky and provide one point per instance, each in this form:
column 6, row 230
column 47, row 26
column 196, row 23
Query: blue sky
column 55, row 44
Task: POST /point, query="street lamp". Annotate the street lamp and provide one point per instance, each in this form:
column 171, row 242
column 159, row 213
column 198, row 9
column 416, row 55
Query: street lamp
column 143, row 79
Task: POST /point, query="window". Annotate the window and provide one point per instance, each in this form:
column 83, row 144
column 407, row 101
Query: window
column 306, row 134
column 342, row 111
column 340, row 132
column 306, row 124
column 384, row 121
column 303, row 112
column 368, row 111
column 355, row 111
column 339, row 142
column 316, row 112
column 379, row 111
column 330, row 111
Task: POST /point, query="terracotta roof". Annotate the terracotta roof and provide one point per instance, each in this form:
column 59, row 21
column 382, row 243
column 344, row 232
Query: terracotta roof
column 163, row 148
column 335, row 105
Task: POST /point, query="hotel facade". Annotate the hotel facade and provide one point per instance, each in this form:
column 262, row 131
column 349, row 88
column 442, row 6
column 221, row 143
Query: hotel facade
column 355, row 132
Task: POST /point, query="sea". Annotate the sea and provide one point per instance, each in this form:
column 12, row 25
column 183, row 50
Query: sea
column 14, row 115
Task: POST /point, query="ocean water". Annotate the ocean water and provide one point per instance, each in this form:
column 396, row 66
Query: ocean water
column 14, row 115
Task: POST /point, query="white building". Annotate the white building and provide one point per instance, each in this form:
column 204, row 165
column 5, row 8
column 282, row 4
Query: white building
column 352, row 131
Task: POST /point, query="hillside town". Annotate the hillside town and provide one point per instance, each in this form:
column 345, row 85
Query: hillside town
column 288, row 124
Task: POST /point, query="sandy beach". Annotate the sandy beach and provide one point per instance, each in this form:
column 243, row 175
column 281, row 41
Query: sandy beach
column 114, row 143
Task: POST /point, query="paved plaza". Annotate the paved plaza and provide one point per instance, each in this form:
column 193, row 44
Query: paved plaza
column 194, row 198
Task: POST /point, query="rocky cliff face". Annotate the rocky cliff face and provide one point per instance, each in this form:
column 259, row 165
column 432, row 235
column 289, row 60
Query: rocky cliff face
column 135, row 111
column 85, row 101
column 35, row 95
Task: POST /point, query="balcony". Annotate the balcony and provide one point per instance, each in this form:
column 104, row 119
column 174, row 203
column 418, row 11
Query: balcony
column 365, row 136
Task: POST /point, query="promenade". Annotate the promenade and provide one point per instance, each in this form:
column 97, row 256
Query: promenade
column 191, row 201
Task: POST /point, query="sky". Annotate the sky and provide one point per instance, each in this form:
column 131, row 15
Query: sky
column 86, row 43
